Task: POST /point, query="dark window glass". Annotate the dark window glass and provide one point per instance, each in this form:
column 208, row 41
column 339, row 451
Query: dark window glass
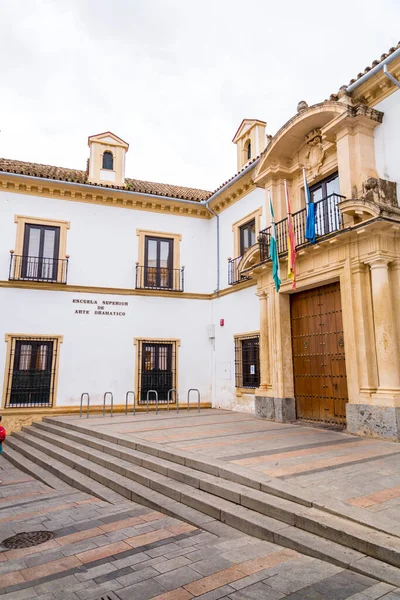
column 40, row 252
column 247, row 236
column 157, row 370
column 325, row 188
column 248, row 150
column 247, row 362
column 108, row 161
column 327, row 216
column 158, row 261
column 31, row 377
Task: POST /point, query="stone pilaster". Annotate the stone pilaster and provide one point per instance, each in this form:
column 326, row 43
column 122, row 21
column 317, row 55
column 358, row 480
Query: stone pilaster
column 265, row 371
column 380, row 416
column 385, row 329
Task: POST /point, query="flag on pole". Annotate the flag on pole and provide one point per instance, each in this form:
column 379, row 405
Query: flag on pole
column 310, row 222
column 291, row 242
column 273, row 249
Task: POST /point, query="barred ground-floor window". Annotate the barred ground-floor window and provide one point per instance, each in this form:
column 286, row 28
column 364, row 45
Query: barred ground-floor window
column 31, row 370
column 156, row 369
column 247, row 360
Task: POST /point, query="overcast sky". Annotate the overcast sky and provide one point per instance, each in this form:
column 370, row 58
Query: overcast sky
column 174, row 78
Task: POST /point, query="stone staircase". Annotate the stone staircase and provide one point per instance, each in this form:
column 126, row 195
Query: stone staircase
column 200, row 491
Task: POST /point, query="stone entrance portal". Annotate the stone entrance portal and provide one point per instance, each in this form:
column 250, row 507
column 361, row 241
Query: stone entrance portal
column 319, row 370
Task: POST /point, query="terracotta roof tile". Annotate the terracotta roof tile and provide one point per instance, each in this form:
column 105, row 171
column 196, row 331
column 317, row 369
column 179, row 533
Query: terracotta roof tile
column 374, row 64
column 74, row 175
column 253, row 160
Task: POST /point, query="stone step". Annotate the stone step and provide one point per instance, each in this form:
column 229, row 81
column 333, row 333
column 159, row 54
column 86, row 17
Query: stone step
column 215, row 501
column 233, row 515
column 272, row 506
column 32, row 468
column 234, row 473
column 230, row 472
column 337, row 529
column 21, row 455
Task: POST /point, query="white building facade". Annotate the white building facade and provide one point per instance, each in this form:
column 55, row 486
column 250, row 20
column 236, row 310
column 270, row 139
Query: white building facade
column 111, row 285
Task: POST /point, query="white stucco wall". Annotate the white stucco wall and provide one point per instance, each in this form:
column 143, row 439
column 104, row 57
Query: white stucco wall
column 240, row 312
column 230, row 215
column 387, row 140
column 98, row 353
column 102, row 241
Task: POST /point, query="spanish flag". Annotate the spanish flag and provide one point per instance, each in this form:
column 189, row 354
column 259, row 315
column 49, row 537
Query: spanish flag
column 291, row 241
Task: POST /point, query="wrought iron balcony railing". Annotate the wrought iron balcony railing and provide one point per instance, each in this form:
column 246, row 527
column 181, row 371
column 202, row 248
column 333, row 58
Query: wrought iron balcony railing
column 159, row 278
column 36, row 268
column 328, row 219
column 234, row 275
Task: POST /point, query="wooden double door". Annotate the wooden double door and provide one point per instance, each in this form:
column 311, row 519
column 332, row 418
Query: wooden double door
column 319, row 369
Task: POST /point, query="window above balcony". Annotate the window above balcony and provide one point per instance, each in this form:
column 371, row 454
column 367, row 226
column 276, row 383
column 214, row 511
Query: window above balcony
column 39, row 251
column 159, row 267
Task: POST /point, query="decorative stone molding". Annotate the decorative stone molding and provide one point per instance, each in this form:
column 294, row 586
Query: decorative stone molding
column 316, row 153
column 380, row 191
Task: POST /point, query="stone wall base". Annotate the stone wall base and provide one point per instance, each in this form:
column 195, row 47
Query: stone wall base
column 374, row 421
column 275, row 409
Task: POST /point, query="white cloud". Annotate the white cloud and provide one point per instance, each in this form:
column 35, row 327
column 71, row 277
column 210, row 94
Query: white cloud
column 174, row 78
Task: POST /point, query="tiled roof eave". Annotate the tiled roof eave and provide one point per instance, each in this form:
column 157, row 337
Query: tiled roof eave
column 169, row 191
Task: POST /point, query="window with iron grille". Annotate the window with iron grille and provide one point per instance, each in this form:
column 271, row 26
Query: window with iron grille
column 247, row 361
column 31, row 373
column 156, row 370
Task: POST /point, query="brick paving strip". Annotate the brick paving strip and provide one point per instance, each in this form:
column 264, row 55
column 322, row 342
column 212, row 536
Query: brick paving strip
column 138, row 553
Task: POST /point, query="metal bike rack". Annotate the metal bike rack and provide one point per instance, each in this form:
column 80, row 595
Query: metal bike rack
column 147, row 400
column 104, row 403
column 176, row 397
column 126, row 402
column 88, row 402
column 198, row 398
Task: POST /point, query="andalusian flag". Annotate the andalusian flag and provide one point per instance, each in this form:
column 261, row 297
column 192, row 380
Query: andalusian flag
column 291, row 242
column 310, row 222
column 273, row 249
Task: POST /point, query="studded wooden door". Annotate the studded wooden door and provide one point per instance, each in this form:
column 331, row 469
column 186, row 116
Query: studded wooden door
column 319, row 369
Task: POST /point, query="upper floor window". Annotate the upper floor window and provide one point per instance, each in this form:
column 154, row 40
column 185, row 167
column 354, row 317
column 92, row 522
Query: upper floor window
column 40, row 250
column 247, row 236
column 158, row 261
column 248, row 150
column 324, row 188
column 108, row 161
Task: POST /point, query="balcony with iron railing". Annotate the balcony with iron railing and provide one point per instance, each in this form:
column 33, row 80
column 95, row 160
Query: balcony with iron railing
column 159, row 278
column 37, row 268
column 328, row 220
column 234, row 275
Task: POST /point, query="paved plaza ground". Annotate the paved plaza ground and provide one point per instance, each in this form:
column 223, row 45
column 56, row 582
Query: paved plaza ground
column 122, row 550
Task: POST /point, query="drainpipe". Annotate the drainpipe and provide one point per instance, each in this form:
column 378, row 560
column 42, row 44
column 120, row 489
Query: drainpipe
column 206, row 204
column 390, row 76
column 218, row 267
column 375, row 70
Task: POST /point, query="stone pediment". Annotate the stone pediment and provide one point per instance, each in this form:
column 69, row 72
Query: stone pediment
column 245, row 126
column 109, row 139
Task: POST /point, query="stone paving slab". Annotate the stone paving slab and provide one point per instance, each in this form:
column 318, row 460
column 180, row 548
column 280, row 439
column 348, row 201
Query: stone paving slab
column 128, row 551
column 359, row 476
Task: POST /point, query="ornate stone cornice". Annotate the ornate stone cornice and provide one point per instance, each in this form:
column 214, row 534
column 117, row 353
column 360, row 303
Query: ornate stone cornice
column 103, row 196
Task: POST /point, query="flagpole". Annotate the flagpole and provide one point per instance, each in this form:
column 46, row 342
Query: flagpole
column 306, row 190
column 273, row 249
column 291, row 242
